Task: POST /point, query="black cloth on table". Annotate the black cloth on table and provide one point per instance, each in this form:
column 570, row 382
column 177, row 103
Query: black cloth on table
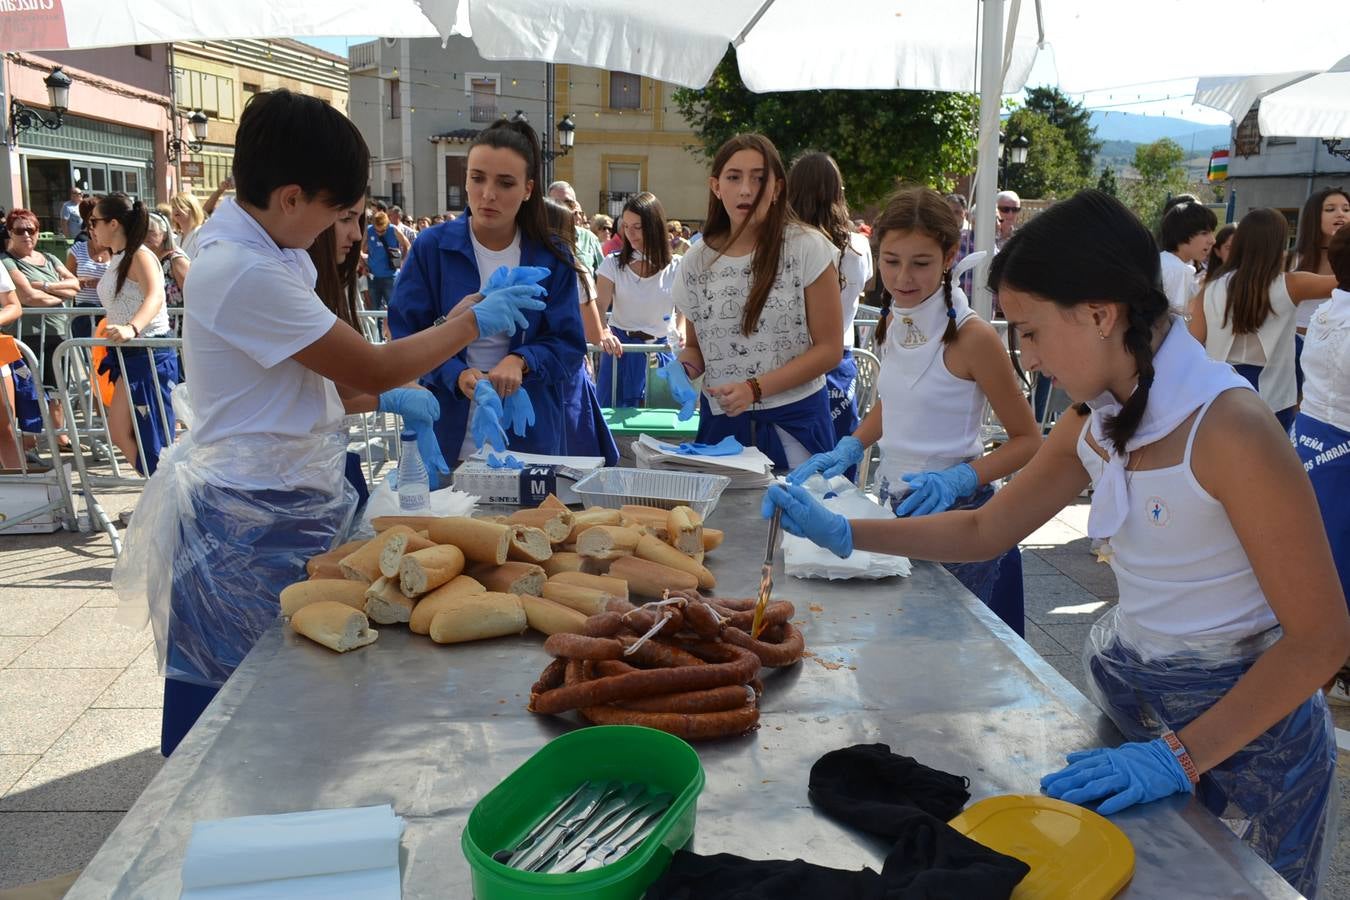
column 869, row 788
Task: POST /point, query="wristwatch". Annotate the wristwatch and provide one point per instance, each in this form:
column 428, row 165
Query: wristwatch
column 524, row 363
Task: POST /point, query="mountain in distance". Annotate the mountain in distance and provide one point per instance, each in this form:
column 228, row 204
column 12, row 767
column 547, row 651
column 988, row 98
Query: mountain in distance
column 1116, row 126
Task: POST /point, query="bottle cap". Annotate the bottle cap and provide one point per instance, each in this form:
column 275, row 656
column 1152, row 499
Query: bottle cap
column 409, row 435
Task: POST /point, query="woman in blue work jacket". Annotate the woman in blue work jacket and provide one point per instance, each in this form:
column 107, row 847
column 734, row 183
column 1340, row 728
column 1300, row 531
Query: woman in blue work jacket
column 505, row 225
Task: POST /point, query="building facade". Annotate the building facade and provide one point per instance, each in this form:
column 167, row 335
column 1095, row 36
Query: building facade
column 1279, row 172
column 419, row 104
column 113, row 134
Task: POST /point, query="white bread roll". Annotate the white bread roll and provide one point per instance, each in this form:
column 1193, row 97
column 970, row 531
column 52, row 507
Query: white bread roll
column 712, row 539
column 385, row 603
column 611, row 585
column 420, row 524
column 552, row 502
column 607, row 542
column 684, row 531
column 589, row 518
column 649, row 579
column 325, row 565
column 399, row 544
column 481, row 541
column 334, row 625
column 582, row 599
column 561, row 561
column 425, row 570
column 658, row 551
column 479, row 616
column 555, row 523
column 444, row 597
column 339, row 590
column 364, row 564
column 529, row 544
column 511, row 578
column 548, row 617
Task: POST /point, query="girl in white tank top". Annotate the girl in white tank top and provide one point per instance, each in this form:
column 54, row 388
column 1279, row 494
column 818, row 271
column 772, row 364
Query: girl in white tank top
column 1230, row 616
column 939, row 363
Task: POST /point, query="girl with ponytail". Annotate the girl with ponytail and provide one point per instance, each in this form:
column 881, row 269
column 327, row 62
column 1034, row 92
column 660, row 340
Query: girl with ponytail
column 132, row 292
column 1230, row 616
column 939, row 364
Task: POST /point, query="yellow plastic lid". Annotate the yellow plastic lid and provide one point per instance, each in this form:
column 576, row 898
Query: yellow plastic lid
column 1072, row 851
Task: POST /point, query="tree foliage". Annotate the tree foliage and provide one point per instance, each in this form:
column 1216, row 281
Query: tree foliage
column 1106, row 182
column 1051, row 169
column 878, row 138
column 1073, row 121
column 1161, row 174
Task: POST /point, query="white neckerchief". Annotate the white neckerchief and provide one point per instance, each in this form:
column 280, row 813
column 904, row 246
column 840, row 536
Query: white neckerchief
column 1184, row 379
column 230, row 223
column 915, row 335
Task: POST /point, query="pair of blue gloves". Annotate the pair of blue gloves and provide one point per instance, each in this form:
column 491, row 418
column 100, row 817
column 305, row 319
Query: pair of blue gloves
column 1131, row 773
column 804, row 516
column 682, row 390
column 490, row 411
column 510, row 292
column 419, row 410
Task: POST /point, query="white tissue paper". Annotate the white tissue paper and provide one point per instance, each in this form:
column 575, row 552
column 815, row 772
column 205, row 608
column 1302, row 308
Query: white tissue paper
column 446, row 501
column 348, row 853
column 803, row 559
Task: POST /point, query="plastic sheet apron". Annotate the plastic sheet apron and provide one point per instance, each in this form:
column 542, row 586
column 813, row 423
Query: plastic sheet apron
column 632, row 372
column 1325, row 452
column 807, row 420
column 146, row 400
column 1275, row 793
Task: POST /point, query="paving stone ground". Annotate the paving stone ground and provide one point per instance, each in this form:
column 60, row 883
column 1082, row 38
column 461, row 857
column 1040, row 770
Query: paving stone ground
column 80, row 700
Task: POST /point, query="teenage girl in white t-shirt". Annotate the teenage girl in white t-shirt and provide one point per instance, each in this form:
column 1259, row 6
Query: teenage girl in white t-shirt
column 761, row 292
column 633, row 286
column 1230, row 616
column 815, row 191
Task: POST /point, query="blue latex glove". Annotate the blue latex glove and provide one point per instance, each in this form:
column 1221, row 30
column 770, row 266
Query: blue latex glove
column 727, row 446
column 681, row 388
column 504, row 462
column 846, row 454
column 510, row 276
column 503, row 309
column 486, row 425
column 519, row 411
column 933, row 492
column 419, row 410
column 1126, row 775
column 805, row 517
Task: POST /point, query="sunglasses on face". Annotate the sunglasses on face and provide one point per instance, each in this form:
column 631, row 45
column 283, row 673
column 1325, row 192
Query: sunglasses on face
column 25, row 232
column 1009, row 209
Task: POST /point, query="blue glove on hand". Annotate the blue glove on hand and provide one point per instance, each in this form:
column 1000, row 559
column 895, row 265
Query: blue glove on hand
column 510, row 276
column 727, row 446
column 846, row 454
column 681, row 388
column 519, row 411
column 805, row 517
column 1126, row 775
column 933, row 492
column 419, row 410
column 503, row 310
column 486, row 426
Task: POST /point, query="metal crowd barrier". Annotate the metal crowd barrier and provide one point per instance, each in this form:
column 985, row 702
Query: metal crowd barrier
column 50, row 486
column 599, row 357
column 375, row 436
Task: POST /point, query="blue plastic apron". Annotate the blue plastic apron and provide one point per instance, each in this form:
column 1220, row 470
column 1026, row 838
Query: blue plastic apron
column 841, row 382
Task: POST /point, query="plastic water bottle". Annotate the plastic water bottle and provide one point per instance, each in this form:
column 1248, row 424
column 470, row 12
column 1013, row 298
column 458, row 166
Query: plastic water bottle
column 673, row 334
column 414, row 486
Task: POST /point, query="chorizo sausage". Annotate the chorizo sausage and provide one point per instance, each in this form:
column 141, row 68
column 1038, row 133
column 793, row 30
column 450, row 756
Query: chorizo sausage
column 605, row 624
column 773, row 655
column 689, row 726
column 579, row 646
column 721, row 699
column 729, row 665
column 705, row 621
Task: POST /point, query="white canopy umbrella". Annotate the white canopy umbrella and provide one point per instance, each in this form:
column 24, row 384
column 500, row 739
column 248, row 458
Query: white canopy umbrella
column 1293, row 104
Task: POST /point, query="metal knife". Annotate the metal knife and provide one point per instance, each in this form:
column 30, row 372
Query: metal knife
column 582, row 809
column 535, row 833
column 615, row 811
column 629, row 836
column 766, row 574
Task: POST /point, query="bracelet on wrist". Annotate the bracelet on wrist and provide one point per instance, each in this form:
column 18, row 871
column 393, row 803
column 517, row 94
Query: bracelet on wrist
column 1183, row 756
column 755, row 389
column 691, row 370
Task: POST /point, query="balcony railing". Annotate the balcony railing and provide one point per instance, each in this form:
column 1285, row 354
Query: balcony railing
column 362, row 56
column 611, row 202
column 483, row 113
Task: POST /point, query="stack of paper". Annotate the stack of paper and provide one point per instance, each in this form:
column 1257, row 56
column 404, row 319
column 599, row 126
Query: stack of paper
column 803, row 559
column 748, row 469
column 350, row 853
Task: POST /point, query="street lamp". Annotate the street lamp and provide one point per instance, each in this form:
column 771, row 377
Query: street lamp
column 23, row 117
column 176, row 146
column 1334, row 147
column 567, row 134
column 1012, row 152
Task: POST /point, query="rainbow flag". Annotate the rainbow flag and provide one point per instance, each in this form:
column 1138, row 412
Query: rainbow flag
column 1218, row 165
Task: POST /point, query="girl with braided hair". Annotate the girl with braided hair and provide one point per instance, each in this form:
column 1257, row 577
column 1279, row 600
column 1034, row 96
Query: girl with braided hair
column 1230, row 616
column 940, row 362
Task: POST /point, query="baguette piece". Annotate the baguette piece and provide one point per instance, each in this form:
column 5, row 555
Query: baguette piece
column 653, row 518
column 657, row 551
column 651, row 579
column 561, row 561
column 479, row 616
column 684, row 531
column 607, row 542
column 385, row 603
column 443, row 598
column 612, row 585
column 712, row 539
column 552, row 502
column 397, row 546
column 582, row 599
column 382, row 524
column 339, row 590
column 556, row 523
column 481, row 541
column 364, row 564
column 529, row 544
column 334, row 625
column 549, row 617
column 424, row 571
column 589, row 518
column 511, row 578
column 325, row 565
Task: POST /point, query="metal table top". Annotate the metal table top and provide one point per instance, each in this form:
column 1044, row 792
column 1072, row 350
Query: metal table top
column 917, row 663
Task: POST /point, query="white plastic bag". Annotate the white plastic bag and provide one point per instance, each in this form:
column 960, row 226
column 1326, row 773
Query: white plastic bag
column 803, row 559
column 384, row 502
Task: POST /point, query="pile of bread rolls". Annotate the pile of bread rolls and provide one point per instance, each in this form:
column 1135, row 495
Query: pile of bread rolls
column 461, row 579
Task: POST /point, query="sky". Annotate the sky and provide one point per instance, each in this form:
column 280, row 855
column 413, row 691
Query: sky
column 1165, row 98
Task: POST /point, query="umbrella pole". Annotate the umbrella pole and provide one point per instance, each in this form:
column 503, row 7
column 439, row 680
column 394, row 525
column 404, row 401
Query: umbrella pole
column 986, row 170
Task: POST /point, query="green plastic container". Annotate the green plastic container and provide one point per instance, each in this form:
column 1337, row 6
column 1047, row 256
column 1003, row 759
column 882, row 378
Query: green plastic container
column 660, row 423
column 601, row 753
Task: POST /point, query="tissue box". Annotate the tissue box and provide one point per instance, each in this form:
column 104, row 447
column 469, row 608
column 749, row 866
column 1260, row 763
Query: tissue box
column 542, row 475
